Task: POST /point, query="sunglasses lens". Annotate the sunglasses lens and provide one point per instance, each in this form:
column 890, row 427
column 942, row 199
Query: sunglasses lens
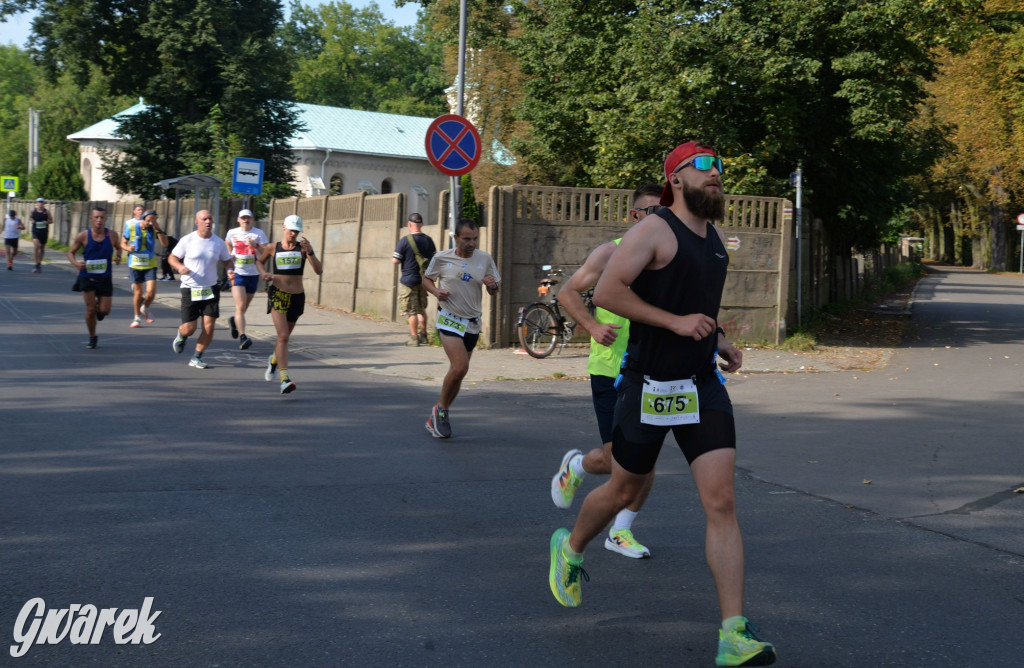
column 705, row 162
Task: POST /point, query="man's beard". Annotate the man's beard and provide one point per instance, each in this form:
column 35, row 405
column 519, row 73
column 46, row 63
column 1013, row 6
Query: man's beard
column 707, row 204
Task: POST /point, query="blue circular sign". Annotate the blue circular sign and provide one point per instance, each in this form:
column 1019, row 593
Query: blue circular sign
column 453, row 145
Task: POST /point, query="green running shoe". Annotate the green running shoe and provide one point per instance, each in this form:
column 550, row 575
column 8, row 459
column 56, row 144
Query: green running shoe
column 742, row 647
column 565, row 482
column 564, row 577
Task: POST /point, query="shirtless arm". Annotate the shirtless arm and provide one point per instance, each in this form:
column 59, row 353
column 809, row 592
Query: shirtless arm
column 585, row 278
column 650, row 244
column 76, row 245
column 261, row 258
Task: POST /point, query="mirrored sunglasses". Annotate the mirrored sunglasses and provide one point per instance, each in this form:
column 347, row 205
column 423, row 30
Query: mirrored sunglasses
column 704, row 163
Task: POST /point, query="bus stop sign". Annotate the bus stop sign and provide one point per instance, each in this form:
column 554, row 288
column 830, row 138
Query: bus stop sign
column 247, row 178
column 453, row 145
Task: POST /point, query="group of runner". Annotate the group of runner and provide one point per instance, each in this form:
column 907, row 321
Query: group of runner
column 246, row 254
column 654, row 362
column 40, row 220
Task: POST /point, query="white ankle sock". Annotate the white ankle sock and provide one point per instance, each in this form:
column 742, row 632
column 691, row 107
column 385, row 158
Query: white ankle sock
column 624, row 520
column 576, row 464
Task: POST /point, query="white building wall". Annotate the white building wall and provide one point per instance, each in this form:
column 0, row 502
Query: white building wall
column 417, row 179
column 92, row 174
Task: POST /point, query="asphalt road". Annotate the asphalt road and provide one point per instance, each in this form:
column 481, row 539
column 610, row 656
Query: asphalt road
column 326, row 528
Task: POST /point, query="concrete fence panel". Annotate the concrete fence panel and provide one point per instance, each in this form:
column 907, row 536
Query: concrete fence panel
column 342, row 223
column 376, row 284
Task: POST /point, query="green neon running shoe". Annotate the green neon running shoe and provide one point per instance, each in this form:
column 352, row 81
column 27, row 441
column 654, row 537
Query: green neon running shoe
column 564, row 577
column 623, row 542
column 742, row 647
column 565, row 482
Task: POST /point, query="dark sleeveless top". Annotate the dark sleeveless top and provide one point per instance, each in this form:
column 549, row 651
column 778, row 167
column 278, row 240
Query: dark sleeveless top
column 692, row 282
column 296, row 269
column 97, row 250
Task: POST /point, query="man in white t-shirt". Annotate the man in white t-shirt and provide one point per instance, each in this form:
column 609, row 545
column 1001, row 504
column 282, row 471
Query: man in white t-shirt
column 13, row 228
column 455, row 277
column 243, row 243
column 195, row 259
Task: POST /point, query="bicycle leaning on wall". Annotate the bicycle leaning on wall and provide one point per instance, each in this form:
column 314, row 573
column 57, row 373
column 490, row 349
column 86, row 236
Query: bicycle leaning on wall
column 542, row 325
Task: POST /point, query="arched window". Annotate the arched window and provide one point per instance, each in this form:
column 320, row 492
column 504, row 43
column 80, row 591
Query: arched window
column 385, row 187
column 337, row 184
column 87, row 177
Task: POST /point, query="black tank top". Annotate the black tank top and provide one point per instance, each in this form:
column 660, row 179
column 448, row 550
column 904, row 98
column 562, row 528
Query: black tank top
column 288, row 263
column 691, row 282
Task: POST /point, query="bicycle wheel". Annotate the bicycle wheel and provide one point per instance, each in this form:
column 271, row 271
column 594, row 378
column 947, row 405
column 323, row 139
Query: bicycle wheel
column 538, row 330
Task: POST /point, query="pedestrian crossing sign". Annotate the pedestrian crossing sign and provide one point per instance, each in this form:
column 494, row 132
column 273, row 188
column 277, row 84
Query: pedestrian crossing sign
column 8, row 184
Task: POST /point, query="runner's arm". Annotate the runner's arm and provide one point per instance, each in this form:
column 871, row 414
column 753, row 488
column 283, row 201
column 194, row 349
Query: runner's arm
column 585, row 278
column 261, row 259
column 178, row 264
column 428, row 284
column 78, row 243
column 732, row 357
column 638, row 250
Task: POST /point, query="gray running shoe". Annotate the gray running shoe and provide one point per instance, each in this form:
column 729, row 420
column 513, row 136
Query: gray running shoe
column 198, row 363
column 268, row 375
column 287, row 386
column 179, row 344
column 437, row 423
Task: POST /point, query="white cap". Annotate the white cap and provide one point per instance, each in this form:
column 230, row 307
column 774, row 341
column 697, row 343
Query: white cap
column 245, row 212
column 293, row 222
column 40, row 199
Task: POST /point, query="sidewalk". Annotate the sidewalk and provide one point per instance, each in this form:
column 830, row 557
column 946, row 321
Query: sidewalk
column 352, row 341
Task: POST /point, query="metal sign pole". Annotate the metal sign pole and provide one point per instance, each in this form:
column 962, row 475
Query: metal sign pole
column 1020, row 226
column 799, row 245
column 455, row 201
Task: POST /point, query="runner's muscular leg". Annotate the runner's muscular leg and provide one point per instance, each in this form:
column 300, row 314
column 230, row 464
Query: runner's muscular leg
column 458, row 358
column 713, row 474
column 603, row 503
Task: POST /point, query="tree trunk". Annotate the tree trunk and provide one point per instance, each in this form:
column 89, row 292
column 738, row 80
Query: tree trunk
column 997, row 224
column 956, row 218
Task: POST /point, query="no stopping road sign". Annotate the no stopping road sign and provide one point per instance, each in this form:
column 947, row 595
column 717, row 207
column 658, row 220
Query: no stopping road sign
column 453, row 145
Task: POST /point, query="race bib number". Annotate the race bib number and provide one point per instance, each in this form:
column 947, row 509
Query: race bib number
column 137, row 261
column 288, row 259
column 41, row 226
column 202, row 294
column 243, row 260
column 452, row 323
column 668, row 403
column 96, row 266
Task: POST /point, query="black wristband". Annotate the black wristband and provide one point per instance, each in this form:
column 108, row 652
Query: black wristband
column 721, row 331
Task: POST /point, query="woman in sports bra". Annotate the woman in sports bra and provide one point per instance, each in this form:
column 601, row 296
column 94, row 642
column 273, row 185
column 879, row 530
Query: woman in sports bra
column 286, row 299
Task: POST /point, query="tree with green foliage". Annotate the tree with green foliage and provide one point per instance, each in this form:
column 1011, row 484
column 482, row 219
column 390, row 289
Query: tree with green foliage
column 979, row 98
column 65, row 107
column 17, row 87
column 470, row 209
column 184, row 58
column 354, row 58
column 833, row 84
column 58, row 178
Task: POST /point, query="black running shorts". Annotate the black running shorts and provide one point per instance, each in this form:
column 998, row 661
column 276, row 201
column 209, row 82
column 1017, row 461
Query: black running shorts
column 636, row 446
column 193, row 310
